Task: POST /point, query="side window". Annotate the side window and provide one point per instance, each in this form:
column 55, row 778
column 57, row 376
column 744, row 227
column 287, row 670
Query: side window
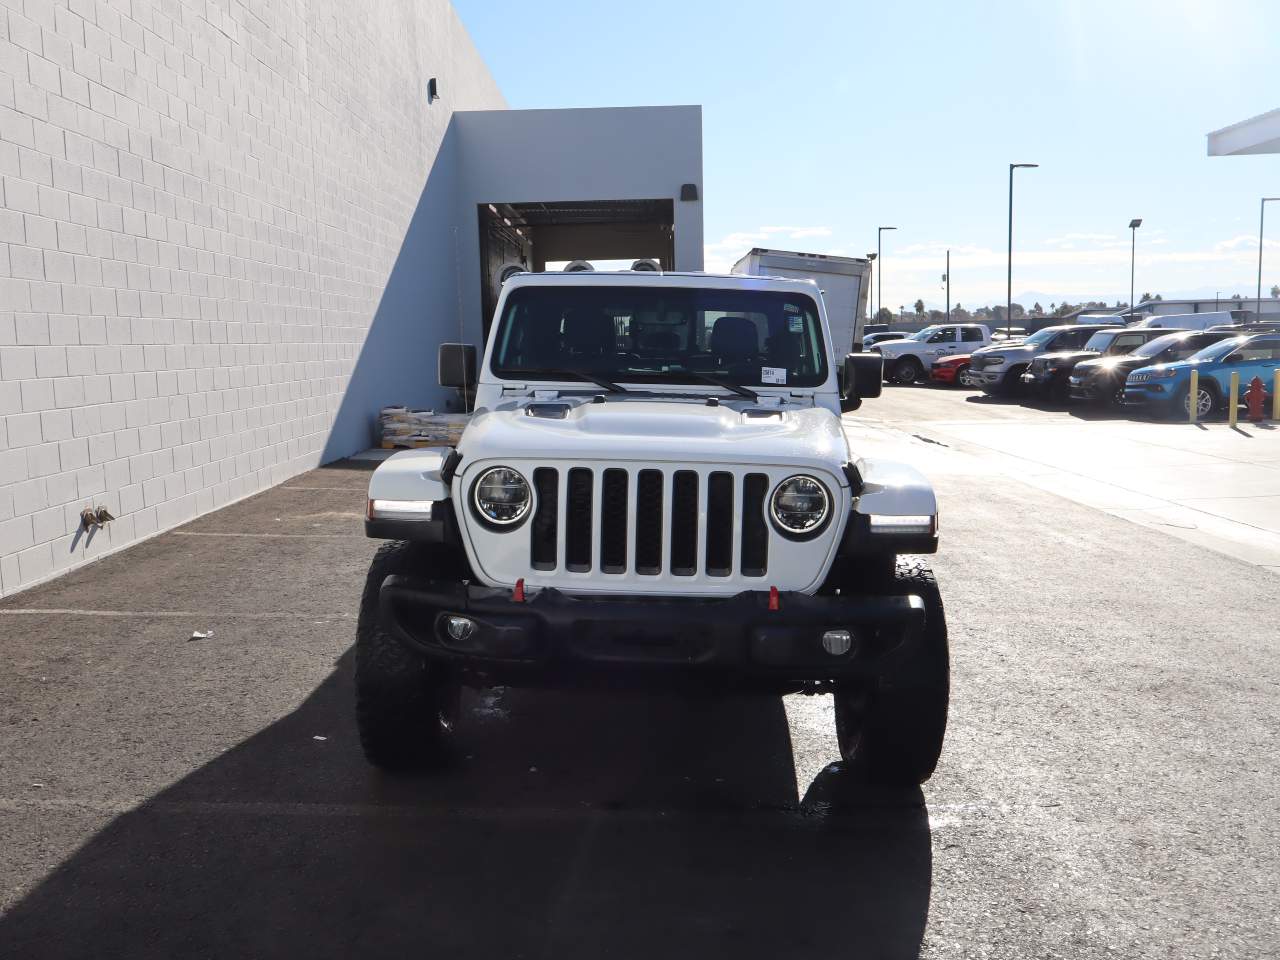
column 971, row 334
column 1067, row 340
column 1127, row 342
column 945, row 335
column 1258, row 350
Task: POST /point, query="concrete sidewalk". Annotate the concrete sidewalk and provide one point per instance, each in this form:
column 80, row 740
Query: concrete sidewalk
column 1210, row 484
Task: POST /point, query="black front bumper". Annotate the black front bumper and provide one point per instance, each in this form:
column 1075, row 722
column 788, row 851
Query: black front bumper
column 553, row 633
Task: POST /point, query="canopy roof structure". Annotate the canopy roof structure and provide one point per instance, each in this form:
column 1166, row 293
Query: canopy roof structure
column 1258, row 135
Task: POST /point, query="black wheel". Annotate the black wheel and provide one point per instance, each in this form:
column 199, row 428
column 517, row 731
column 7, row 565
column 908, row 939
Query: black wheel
column 1115, row 396
column 908, row 370
column 406, row 707
column 1057, row 393
column 892, row 735
column 1011, row 383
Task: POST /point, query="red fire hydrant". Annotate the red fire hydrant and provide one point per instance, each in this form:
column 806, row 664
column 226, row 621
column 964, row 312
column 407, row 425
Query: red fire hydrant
column 1253, row 397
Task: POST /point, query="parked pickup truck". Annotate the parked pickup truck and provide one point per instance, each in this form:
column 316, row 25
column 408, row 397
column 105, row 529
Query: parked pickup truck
column 998, row 369
column 655, row 488
column 909, row 360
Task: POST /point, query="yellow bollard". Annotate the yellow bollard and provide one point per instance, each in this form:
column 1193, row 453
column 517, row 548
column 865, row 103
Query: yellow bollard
column 1275, row 398
column 1193, row 395
column 1233, row 403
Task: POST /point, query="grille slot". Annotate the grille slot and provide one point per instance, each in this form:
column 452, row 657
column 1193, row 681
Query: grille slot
column 719, row 524
column 755, row 533
column 577, row 531
column 649, row 523
column 613, row 522
column 684, row 523
column 542, row 537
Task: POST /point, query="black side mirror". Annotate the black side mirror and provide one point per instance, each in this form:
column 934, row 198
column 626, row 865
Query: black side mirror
column 862, row 379
column 456, row 365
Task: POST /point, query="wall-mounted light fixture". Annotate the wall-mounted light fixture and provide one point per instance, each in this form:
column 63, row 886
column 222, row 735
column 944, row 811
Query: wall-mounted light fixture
column 433, row 93
column 688, row 191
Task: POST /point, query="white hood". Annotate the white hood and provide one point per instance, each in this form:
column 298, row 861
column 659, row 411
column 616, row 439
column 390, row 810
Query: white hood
column 660, row 431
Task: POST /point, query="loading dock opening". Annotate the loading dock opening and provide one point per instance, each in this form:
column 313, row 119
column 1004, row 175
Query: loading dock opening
column 527, row 236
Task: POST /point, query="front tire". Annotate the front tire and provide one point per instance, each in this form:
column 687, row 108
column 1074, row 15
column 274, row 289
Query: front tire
column 1206, row 403
column 1010, row 384
column 908, row 370
column 406, row 706
column 891, row 735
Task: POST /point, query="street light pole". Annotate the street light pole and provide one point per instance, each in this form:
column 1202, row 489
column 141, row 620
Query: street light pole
column 871, row 288
column 1134, row 224
column 1008, row 302
column 947, row 277
column 880, row 295
column 1262, row 218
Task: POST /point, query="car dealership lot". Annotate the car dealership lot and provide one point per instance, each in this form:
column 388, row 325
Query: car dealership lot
column 1107, row 787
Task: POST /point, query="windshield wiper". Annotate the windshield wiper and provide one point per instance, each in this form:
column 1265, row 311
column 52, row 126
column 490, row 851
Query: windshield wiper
column 567, row 374
column 722, row 384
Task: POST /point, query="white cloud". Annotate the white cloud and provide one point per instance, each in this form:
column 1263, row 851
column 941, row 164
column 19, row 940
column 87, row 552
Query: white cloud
column 1244, row 241
column 1070, row 239
column 1076, row 265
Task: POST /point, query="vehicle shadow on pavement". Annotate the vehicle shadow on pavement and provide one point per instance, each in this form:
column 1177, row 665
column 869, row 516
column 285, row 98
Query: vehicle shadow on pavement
column 572, row 825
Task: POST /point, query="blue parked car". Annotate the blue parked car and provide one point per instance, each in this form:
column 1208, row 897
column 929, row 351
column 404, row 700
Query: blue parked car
column 1165, row 387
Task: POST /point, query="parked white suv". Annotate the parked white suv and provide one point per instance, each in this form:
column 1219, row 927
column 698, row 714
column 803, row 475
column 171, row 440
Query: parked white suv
column 655, row 487
column 909, row 360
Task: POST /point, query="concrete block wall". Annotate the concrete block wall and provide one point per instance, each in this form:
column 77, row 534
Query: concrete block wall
column 202, row 202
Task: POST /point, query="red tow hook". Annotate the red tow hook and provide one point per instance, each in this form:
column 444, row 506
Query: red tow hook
column 517, row 594
column 773, row 599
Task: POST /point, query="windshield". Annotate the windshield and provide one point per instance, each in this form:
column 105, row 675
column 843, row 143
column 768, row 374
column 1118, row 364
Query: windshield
column 924, row 334
column 1216, row 351
column 1153, row 348
column 1100, row 341
column 1041, row 337
column 644, row 334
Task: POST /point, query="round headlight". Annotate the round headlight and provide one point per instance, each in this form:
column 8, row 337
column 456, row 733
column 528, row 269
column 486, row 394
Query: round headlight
column 800, row 505
column 501, row 496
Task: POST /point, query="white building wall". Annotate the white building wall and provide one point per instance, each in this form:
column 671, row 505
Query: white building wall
column 203, row 206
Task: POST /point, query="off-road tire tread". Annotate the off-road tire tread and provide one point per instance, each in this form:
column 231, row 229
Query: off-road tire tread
column 901, row 738
column 397, row 695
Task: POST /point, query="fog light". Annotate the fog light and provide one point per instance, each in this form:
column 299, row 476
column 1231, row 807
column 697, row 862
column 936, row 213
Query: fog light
column 837, row 642
column 460, row 628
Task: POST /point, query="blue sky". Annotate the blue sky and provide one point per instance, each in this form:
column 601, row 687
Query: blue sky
column 822, row 121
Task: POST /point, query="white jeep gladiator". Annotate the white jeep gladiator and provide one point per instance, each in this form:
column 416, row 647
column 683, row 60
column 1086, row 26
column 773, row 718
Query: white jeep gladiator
column 655, row 488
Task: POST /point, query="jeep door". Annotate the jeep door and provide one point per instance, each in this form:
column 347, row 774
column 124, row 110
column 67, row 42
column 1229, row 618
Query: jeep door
column 941, row 343
column 1256, row 358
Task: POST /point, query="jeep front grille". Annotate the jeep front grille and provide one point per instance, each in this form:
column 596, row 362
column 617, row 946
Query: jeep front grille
column 628, row 535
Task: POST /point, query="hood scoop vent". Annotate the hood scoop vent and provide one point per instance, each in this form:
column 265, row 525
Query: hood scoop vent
column 548, row 411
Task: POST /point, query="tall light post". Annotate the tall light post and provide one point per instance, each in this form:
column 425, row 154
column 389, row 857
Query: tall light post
column 871, row 280
column 879, row 232
column 1262, row 219
column 946, row 278
column 1134, row 224
column 1008, row 301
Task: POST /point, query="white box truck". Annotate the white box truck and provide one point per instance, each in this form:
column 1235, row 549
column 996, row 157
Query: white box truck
column 842, row 281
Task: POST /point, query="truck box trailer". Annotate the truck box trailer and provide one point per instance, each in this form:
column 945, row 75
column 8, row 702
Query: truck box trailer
column 842, row 280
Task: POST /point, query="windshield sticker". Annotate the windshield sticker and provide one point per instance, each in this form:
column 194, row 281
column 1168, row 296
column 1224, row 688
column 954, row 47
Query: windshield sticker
column 790, row 308
column 795, row 324
column 773, row 374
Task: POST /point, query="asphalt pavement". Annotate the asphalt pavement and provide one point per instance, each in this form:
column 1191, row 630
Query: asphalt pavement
column 1108, row 787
